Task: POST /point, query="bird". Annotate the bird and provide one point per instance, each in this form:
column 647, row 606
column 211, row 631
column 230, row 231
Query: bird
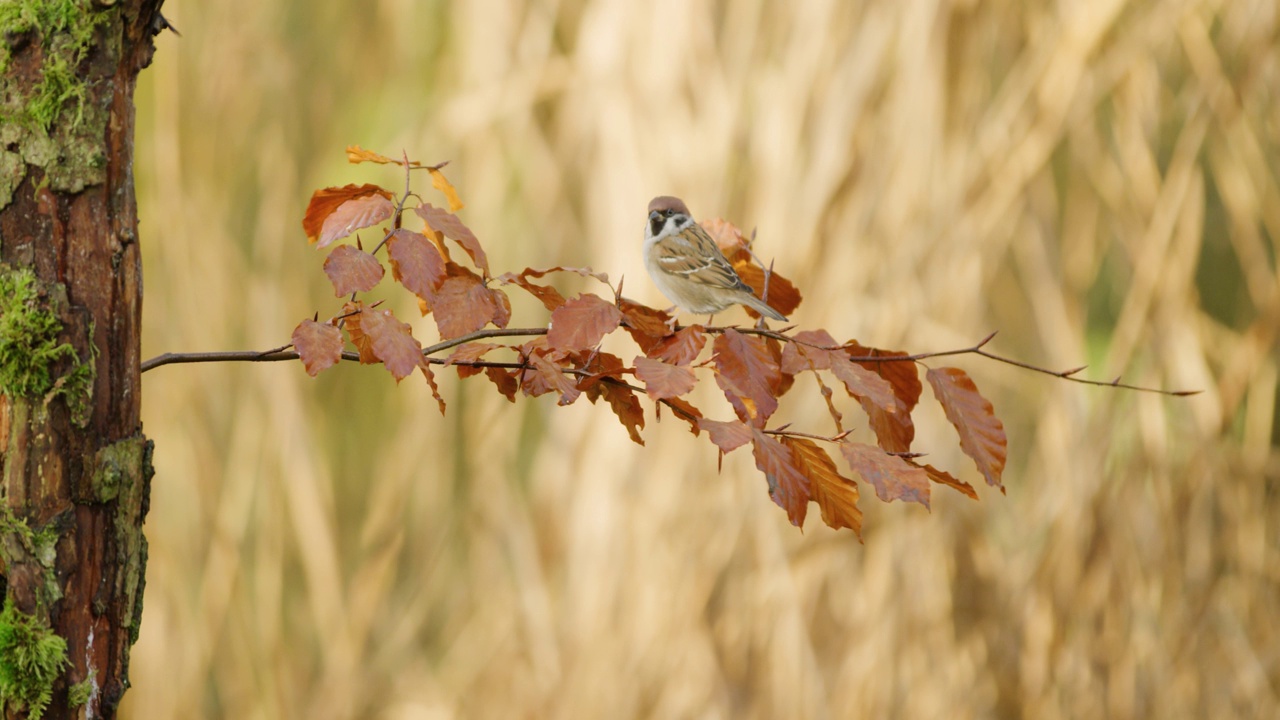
column 687, row 265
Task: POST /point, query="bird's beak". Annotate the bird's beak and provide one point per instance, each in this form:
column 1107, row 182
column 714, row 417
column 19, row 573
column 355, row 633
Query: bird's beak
column 656, row 221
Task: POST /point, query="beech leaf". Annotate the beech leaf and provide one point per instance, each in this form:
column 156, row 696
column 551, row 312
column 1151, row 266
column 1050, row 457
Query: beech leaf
column 355, row 214
column 862, row 383
column 325, row 202
column 505, row 380
column 788, row 486
column 662, row 380
column 354, row 313
column 981, row 433
column 319, row 345
column 836, row 495
column 728, row 436
column 647, row 326
column 445, row 222
column 686, row 412
column 462, row 304
column 581, row 323
column 431, row 382
column 439, row 182
column 416, row 263
column 548, row 296
column 891, row 476
column 681, row 348
column 352, row 270
column 392, row 342
column 357, row 155
column 545, row 376
column 945, row 478
column 747, row 373
column 626, row 406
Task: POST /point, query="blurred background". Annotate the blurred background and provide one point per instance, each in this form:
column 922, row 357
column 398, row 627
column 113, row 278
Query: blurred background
column 1096, row 180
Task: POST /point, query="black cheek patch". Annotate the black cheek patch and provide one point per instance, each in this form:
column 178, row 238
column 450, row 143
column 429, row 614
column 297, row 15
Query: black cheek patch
column 655, row 225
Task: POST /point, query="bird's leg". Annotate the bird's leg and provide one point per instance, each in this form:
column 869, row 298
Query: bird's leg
column 711, row 319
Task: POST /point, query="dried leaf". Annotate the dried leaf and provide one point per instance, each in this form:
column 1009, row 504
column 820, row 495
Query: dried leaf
column 581, row 323
column 439, row 182
column 392, row 342
column 443, row 221
column 901, row 374
column 544, row 376
column 783, row 295
column 584, row 272
column 981, row 432
column 353, row 215
column 505, row 380
column 891, row 476
column 319, row 345
column 728, row 436
column 416, row 264
column 681, row 348
column 788, row 487
column 548, row 296
column 799, row 355
column 647, row 326
column 726, row 235
column 431, row 381
column 662, row 380
column 357, row 155
column 686, row 412
column 784, row 380
column 836, row 416
column 862, row 383
column 626, row 406
column 599, row 365
column 325, row 202
column 836, row 495
column 352, row 270
column 462, row 304
column 944, row 478
column 354, row 313
column 747, row 373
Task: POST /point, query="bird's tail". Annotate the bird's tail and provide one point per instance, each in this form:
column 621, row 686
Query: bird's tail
column 759, row 306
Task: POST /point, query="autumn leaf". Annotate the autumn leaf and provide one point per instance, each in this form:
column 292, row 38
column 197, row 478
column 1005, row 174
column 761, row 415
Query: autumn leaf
column 726, row 235
column 581, row 271
column 625, row 405
column 647, row 326
column 788, row 487
column 463, row 304
column 439, row 182
column 325, row 202
column 862, row 383
column 353, row 215
column 548, row 296
column 681, row 348
column 416, row 264
column 469, row 353
column 357, row 155
column 597, row 366
column 544, row 376
column 800, row 354
column 783, row 295
column 392, row 342
column 581, row 323
column 431, row 382
column 319, row 345
column 981, row 433
column 443, row 221
column 353, row 313
column 686, row 412
column 728, row 436
column 836, row 495
column 901, row 374
column 505, row 380
column 746, row 372
column 891, row 476
column 352, row 270
column 945, row 478
column 662, row 380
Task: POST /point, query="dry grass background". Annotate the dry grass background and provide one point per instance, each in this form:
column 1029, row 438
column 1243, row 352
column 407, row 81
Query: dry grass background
column 1097, row 180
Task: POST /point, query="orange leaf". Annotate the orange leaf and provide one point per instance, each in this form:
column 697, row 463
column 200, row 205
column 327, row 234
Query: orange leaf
column 726, row 235
column 357, row 155
column 544, row 376
column 584, row 272
column 862, row 383
column 645, row 325
column 549, row 296
column 783, row 295
column 439, row 182
column 662, row 380
column 469, row 353
column 462, row 304
column 799, row 355
column 686, row 412
column 353, row 215
column 431, row 381
column 582, row 323
column 836, row 495
column 747, row 373
column 892, row 477
column 392, row 342
column 728, row 436
column 325, row 202
column 681, row 348
column 981, row 432
column 354, row 312
column 319, row 345
column 352, row 270
column 626, row 406
column 943, row 478
column 788, row 487
column 600, row 365
column 416, row 264
column 442, row 221
column 506, row 381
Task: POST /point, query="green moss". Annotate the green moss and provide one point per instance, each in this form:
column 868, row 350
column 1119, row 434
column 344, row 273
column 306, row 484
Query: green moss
column 66, row 30
column 31, row 659
column 80, row 693
column 29, row 346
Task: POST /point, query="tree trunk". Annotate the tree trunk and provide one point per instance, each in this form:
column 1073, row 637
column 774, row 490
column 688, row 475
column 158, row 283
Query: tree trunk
column 76, row 467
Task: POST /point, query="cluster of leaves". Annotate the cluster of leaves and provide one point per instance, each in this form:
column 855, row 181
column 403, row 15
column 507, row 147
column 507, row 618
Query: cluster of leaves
column 753, row 367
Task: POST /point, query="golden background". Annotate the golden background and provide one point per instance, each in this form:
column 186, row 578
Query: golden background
column 1096, row 180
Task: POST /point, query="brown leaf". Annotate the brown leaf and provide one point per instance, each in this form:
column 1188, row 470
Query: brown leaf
column 501, row 308
column 325, row 202
column 392, row 342
column 646, row 326
column 544, row 376
column 548, row 296
column 353, row 215
column 439, row 182
column 944, row 478
column 784, row 380
column 354, row 312
column 862, row 383
column 728, row 436
column 582, row 323
column 462, row 304
column 836, row 495
column 469, row 353
column 681, row 348
column 836, row 416
column 600, row 365
column 351, row 270
column 319, row 345
column 584, row 272
column 686, row 412
column 783, row 295
column 799, row 355
column 431, row 381
column 891, row 476
column 747, row 373
column 726, row 235
column 626, row 406
column 416, row 264
column 443, row 221
column 662, row 380
column 981, row 432
column 788, row 487
column 505, row 380
column 901, row 374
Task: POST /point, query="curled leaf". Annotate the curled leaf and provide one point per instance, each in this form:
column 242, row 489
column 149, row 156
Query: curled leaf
column 325, row 202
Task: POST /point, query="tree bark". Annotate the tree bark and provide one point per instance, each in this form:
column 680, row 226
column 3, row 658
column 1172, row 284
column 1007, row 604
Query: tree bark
column 76, row 467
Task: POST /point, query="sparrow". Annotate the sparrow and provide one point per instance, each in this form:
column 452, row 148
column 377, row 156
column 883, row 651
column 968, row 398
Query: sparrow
column 688, row 267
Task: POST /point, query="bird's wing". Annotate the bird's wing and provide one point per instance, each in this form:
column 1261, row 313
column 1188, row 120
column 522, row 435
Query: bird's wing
column 693, row 255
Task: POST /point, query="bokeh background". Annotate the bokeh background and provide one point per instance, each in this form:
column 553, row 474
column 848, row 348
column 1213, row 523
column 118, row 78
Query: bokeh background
column 1096, row 180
